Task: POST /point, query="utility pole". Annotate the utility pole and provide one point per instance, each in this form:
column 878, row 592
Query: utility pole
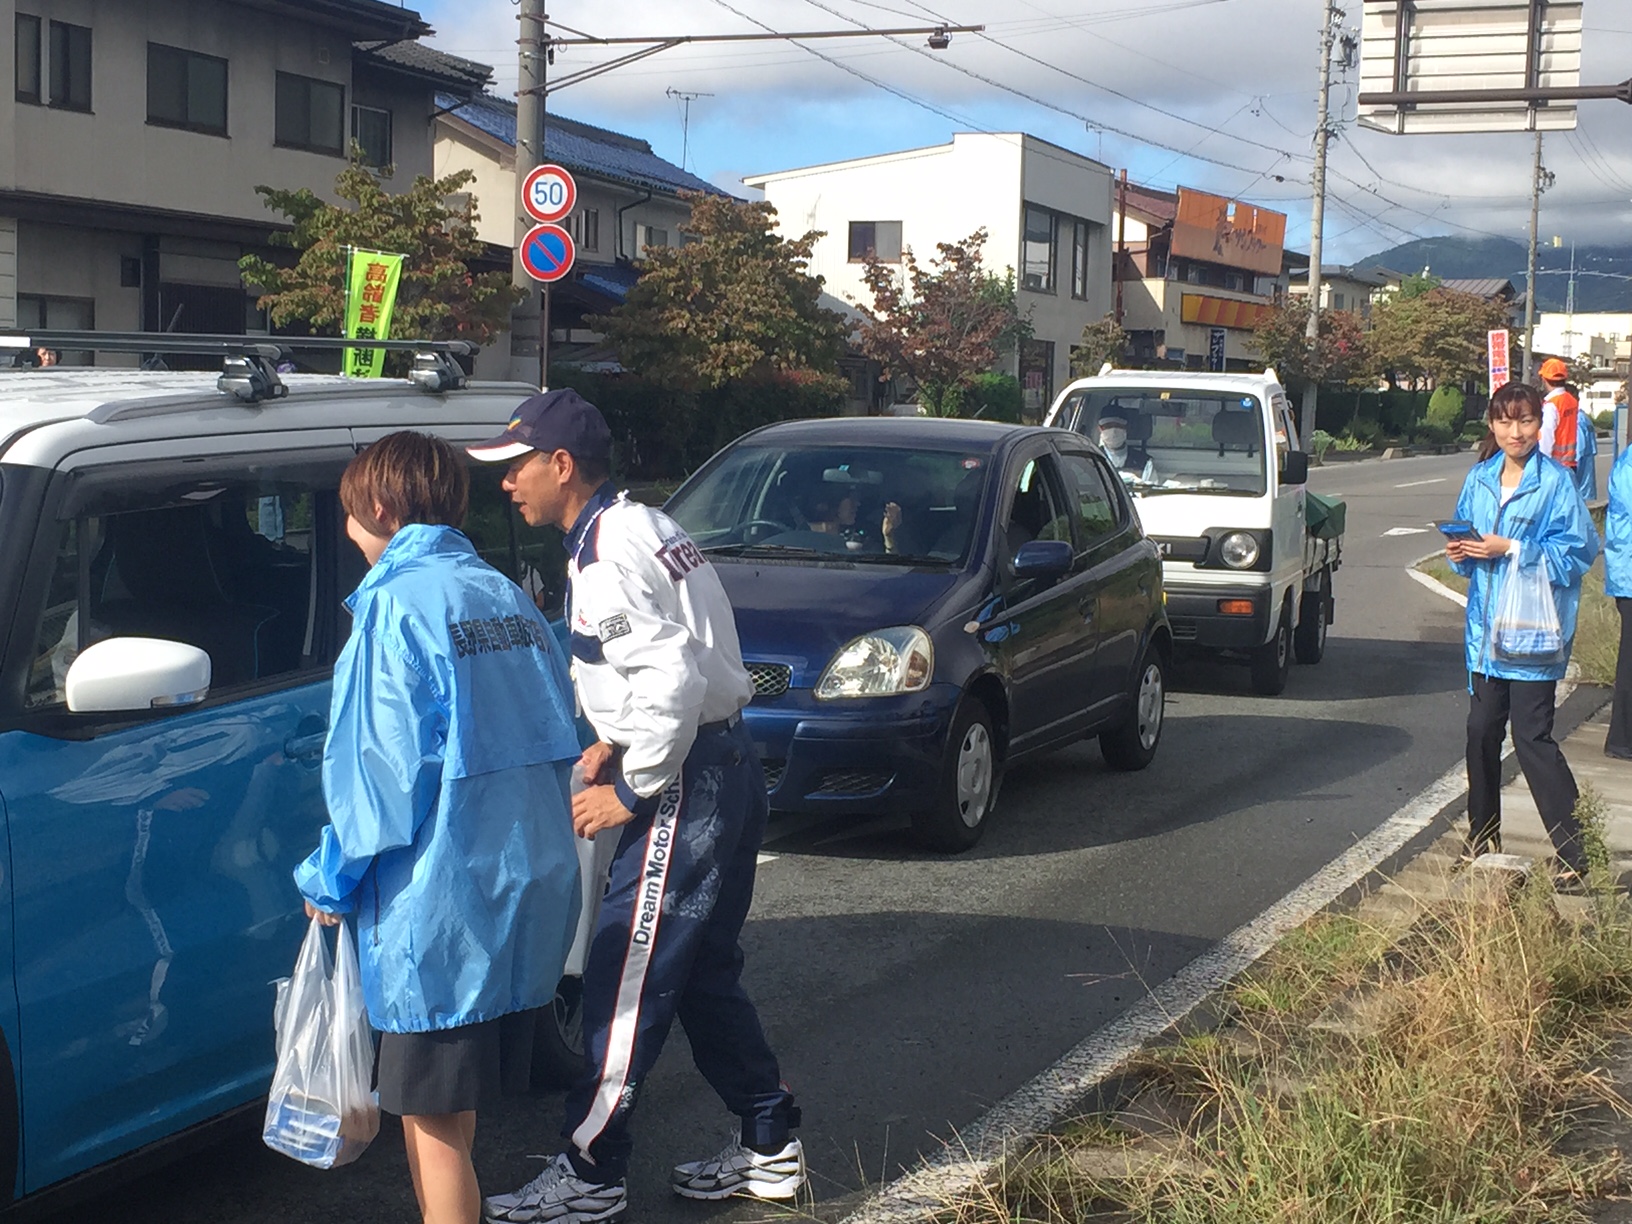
column 1317, row 208
column 1540, row 180
column 532, row 65
column 1118, row 271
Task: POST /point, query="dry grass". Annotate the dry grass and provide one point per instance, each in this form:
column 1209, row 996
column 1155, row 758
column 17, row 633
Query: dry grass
column 1364, row 1081
column 1597, row 624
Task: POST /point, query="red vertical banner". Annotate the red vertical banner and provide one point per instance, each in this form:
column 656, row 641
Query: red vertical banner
column 1500, row 375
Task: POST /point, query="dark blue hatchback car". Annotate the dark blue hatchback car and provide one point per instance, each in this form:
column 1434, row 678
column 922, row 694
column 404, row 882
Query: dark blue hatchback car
column 925, row 602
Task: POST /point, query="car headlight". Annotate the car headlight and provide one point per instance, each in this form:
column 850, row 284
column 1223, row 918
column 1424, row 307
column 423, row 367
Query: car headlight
column 1239, row 550
column 880, row 664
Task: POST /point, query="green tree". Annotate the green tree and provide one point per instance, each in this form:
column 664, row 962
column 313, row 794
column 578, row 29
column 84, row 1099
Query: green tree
column 1439, row 335
column 941, row 324
column 439, row 298
column 1337, row 357
column 1419, row 283
column 1101, row 342
column 736, row 302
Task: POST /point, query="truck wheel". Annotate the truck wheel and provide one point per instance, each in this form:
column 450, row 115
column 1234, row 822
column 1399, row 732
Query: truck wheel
column 558, row 1037
column 967, row 792
column 1309, row 641
column 1133, row 745
column 1272, row 662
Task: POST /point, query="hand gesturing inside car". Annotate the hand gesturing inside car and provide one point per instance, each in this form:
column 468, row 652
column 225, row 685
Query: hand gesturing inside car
column 891, row 524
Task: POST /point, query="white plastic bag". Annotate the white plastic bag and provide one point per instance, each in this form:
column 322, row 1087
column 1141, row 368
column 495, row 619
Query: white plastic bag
column 1526, row 628
column 322, row 1110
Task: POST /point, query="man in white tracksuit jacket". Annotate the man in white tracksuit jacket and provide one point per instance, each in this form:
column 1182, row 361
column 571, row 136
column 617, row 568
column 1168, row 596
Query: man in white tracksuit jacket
column 659, row 674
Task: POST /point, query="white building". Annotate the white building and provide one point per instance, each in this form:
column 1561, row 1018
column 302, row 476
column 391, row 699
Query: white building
column 1582, row 334
column 1046, row 212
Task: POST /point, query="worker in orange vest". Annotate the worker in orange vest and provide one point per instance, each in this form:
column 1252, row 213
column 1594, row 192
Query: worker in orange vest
column 1560, row 414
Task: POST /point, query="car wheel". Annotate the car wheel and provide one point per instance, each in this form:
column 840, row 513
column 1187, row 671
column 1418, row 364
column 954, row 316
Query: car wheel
column 1309, row 642
column 558, row 1037
column 1272, row 662
column 1133, row 745
column 970, row 776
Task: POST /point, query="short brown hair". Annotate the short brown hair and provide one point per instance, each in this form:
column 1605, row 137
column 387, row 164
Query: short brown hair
column 412, row 477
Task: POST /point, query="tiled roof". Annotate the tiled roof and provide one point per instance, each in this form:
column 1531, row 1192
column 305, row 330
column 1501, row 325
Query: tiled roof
column 1160, row 205
column 582, row 148
column 426, row 61
column 1486, row 287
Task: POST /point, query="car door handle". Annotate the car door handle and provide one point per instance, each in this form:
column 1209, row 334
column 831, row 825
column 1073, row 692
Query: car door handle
column 1086, row 607
column 305, row 747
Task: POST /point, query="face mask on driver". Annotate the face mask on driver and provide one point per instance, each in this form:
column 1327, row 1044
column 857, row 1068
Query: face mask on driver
column 1113, row 439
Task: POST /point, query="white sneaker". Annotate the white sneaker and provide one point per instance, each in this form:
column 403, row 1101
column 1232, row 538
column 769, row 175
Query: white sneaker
column 738, row 1170
column 557, row 1196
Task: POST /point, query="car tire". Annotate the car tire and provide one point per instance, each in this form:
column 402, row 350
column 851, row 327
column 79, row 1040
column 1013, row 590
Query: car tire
column 967, row 791
column 558, row 1037
column 1309, row 642
column 1272, row 662
column 1133, row 745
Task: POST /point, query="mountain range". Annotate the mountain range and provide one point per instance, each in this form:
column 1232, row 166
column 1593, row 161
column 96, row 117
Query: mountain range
column 1603, row 274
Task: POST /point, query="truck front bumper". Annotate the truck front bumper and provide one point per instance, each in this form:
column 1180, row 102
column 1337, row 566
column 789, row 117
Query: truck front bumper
column 1220, row 617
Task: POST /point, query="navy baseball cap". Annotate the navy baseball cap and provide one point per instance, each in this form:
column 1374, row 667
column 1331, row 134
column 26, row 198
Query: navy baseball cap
column 552, row 421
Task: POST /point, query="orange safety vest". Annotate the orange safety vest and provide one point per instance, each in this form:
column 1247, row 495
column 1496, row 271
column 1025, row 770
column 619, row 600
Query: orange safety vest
column 1569, row 419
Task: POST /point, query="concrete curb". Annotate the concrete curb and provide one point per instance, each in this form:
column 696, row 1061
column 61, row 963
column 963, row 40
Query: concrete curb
column 1434, row 584
column 1095, row 1068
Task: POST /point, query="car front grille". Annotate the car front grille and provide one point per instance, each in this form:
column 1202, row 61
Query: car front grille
column 770, row 679
column 852, row 782
column 773, row 774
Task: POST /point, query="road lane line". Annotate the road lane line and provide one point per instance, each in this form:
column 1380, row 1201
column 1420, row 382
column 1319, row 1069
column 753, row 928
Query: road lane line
column 1037, row 1105
column 1411, row 484
column 1405, row 531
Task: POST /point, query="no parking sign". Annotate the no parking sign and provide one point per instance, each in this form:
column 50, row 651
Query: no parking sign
column 547, row 252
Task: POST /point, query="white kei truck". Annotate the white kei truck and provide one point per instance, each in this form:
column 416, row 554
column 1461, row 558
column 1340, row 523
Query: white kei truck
column 1214, row 466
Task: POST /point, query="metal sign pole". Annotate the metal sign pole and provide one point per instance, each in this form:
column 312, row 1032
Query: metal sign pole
column 543, row 337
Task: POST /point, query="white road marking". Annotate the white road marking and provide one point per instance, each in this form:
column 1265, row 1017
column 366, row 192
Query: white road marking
column 1035, row 1106
column 1411, row 484
column 767, row 858
column 1405, row 531
column 1437, row 587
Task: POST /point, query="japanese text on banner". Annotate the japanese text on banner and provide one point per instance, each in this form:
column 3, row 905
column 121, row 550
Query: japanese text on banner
column 1500, row 376
column 371, row 292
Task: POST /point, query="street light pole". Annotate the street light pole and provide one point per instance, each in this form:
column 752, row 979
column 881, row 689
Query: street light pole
column 1317, row 208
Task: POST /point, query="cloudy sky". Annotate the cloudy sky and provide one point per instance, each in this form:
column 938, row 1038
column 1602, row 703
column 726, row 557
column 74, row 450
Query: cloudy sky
column 1215, row 94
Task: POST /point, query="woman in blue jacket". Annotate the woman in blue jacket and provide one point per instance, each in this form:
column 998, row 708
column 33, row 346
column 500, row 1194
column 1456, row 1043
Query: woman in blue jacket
column 447, row 770
column 1618, row 586
column 1520, row 500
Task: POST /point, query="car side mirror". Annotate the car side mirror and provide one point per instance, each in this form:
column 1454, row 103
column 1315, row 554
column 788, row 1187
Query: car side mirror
column 124, row 674
column 1295, row 468
column 1043, row 559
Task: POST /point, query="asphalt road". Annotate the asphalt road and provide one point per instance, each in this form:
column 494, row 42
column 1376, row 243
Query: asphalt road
column 906, row 993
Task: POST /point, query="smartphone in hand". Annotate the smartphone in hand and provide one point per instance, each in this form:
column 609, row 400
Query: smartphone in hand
column 1458, row 529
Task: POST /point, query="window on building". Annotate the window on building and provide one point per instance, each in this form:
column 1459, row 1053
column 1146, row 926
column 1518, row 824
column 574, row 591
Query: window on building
column 28, row 58
column 649, row 236
column 1236, row 281
column 40, row 312
column 70, row 66
column 1036, row 377
column 1037, row 251
column 1339, row 302
column 310, row 114
column 1266, row 286
column 585, row 227
column 1079, row 260
column 877, row 238
column 371, row 132
column 186, row 89
column 1193, row 274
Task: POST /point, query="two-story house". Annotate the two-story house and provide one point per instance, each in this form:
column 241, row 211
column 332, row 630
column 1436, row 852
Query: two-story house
column 628, row 200
column 136, row 131
column 1195, row 274
column 1046, row 212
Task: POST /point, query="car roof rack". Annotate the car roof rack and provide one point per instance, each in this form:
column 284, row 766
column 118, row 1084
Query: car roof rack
column 249, row 363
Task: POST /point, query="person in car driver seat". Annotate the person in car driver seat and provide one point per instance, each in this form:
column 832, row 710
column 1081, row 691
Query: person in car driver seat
column 1132, row 462
column 659, row 674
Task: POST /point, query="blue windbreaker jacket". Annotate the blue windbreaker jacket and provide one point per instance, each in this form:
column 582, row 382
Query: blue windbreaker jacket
column 1618, row 529
column 447, row 775
column 1550, row 521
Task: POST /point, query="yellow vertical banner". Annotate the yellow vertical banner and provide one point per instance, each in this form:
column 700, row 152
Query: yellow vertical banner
column 372, row 278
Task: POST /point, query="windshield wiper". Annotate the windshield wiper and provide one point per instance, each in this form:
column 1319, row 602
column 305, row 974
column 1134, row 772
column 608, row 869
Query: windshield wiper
column 1154, row 490
column 780, row 550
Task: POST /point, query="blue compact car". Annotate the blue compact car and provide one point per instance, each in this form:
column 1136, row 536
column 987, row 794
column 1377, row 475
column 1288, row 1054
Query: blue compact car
column 923, row 603
column 172, row 565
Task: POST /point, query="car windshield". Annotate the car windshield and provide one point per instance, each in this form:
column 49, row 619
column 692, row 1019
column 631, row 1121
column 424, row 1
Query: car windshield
column 1174, row 439
column 862, row 503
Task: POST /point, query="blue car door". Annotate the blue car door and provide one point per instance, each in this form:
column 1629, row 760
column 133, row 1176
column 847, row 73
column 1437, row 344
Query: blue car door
column 152, row 853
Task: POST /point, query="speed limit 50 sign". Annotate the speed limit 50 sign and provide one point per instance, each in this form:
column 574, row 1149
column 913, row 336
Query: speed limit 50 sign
column 548, row 193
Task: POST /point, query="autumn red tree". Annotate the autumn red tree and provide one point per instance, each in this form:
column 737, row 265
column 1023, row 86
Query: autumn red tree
column 1338, row 356
column 940, row 324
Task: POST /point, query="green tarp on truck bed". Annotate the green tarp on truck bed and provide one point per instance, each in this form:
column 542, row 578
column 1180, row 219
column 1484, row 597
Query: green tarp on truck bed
column 1325, row 515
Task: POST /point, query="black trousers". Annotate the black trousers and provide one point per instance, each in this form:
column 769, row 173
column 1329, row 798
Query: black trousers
column 1552, row 785
column 1618, row 743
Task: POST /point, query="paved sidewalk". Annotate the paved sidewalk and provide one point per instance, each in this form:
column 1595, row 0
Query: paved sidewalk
column 1522, row 831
